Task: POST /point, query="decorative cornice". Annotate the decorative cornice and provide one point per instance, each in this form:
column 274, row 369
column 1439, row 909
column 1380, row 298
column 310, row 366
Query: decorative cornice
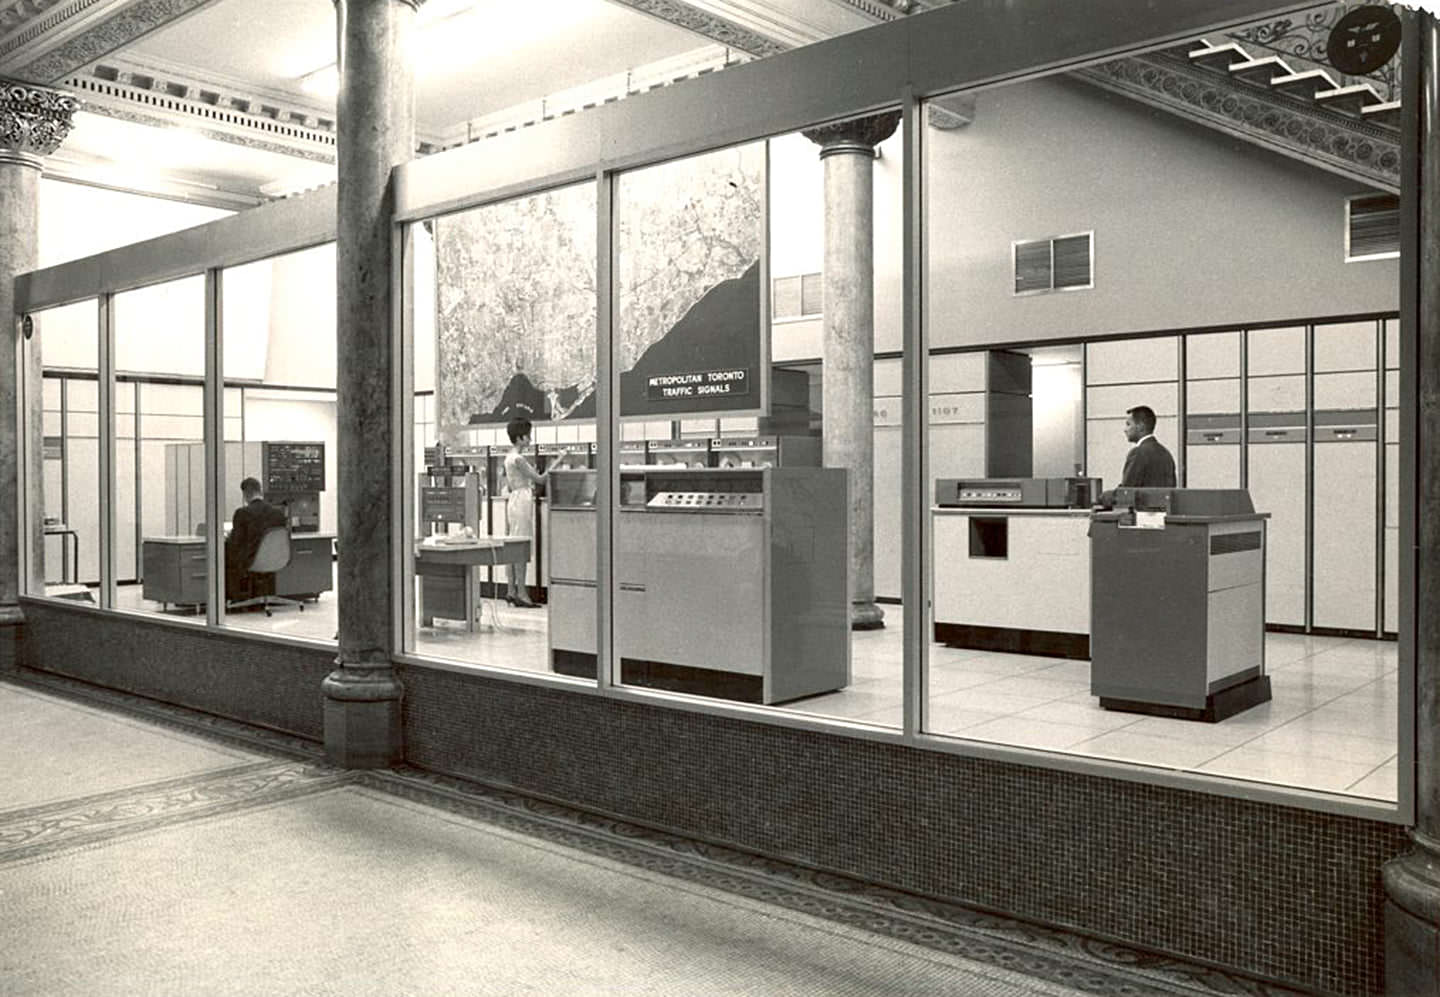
column 34, row 120
column 877, row 10
column 708, row 25
column 1276, row 121
column 860, row 135
column 111, row 30
column 131, row 94
column 22, row 21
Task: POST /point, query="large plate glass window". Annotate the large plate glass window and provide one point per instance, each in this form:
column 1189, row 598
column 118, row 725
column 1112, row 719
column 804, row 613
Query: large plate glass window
column 278, row 503
column 159, row 544
column 1174, row 274
column 754, row 288
column 503, row 477
column 69, row 563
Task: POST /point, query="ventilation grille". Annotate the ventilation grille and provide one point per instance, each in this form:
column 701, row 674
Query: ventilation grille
column 1372, row 230
column 795, row 297
column 1234, row 543
column 1062, row 263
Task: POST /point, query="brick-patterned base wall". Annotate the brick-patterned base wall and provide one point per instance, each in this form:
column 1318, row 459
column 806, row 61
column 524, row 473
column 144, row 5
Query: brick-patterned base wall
column 1264, row 889
column 9, row 645
column 268, row 685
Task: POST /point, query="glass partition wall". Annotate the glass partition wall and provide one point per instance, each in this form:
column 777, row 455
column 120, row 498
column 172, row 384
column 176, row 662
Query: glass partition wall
column 1056, row 302
column 503, row 480
column 1182, row 630
column 67, row 338
column 278, row 332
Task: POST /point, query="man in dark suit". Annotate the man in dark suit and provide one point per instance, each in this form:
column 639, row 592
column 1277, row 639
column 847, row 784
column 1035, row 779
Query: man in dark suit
column 246, row 530
column 1148, row 464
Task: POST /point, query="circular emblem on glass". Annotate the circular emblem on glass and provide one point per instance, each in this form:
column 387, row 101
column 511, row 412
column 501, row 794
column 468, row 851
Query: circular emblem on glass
column 1363, row 40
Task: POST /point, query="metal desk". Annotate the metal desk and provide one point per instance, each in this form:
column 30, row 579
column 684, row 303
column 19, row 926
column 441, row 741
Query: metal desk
column 448, row 573
column 71, row 540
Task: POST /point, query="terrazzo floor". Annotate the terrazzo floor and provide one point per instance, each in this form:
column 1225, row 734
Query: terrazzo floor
column 1331, row 726
column 147, row 850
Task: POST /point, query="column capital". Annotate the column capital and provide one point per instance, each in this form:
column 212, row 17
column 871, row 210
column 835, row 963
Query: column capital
column 859, row 135
column 33, row 121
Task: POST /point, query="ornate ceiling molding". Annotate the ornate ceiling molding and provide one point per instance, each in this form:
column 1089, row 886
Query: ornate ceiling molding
column 1276, row 121
column 147, row 95
column 24, row 20
column 81, row 32
column 34, row 120
column 709, row 25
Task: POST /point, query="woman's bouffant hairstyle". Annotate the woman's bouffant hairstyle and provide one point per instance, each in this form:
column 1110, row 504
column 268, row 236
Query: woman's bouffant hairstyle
column 518, row 428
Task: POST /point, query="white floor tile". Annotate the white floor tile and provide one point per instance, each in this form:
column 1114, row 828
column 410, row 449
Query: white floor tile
column 1302, row 739
column 1087, row 715
column 1027, row 732
column 1147, row 749
column 953, row 718
column 1285, row 769
column 1381, row 784
column 993, row 702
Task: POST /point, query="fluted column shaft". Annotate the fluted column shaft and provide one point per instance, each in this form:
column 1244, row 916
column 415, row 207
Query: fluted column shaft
column 375, row 132
column 848, row 151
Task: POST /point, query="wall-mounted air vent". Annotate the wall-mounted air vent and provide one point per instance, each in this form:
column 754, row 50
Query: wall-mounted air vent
column 797, row 297
column 1064, row 263
column 1372, row 227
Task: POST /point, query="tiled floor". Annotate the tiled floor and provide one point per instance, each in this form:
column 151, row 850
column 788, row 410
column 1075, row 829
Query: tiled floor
column 1332, row 724
column 280, row 874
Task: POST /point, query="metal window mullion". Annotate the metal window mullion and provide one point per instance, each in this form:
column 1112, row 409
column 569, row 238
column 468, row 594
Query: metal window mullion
column 65, row 450
column 607, row 434
column 1182, row 446
column 1245, row 409
column 402, row 500
column 1379, row 478
column 139, row 487
column 1309, row 620
column 105, row 423
column 914, row 518
column 212, row 396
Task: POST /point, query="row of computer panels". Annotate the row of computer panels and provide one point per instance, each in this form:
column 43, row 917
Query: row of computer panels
column 1306, row 417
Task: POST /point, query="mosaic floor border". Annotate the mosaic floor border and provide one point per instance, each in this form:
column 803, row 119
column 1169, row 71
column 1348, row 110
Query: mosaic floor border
column 1050, row 954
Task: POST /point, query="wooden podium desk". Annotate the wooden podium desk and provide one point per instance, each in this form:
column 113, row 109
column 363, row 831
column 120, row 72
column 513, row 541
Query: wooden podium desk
column 449, row 575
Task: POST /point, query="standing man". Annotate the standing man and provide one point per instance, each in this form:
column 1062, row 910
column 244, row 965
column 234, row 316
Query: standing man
column 248, row 526
column 1148, row 464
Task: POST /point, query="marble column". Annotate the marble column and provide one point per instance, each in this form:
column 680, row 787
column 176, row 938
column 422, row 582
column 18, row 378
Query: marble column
column 375, row 124
column 848, row 151
column 33, row 123
column 1412, row 882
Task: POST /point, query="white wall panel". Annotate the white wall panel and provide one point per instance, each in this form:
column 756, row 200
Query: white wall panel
column 1277, row 394
column 1345, row 346
column 1345, row 391
column 1212, row 355
column 957, row 372
column 1212, row 466
column 1214, row 397
column 1277, row 351
column 1112, row 402
column 1131, row 360
column 888, row 502
column 1344, row 536
column 1392, row 580
column 1277, row 486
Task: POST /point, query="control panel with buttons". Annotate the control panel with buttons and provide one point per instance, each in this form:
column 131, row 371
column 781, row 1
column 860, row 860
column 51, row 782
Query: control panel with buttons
column 709, row 501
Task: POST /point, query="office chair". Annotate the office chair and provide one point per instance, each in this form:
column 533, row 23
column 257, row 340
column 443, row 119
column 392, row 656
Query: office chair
column 271, row 556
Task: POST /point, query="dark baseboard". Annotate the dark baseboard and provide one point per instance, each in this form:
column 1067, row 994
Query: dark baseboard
column 1049, row 643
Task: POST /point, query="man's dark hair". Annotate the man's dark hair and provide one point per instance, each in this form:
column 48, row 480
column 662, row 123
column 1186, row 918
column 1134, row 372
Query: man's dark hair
column 518, row 428
column 1144, row 417
column 250, row 486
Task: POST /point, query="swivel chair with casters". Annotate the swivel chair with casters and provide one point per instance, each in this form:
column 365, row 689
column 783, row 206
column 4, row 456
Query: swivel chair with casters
column 271, row 556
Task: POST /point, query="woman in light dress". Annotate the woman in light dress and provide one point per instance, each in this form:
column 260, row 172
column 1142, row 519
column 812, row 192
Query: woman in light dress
column 520, row 481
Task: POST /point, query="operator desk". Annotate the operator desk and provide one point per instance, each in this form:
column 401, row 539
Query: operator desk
column 1011, row 564
column 175, row 568
column 449, row 574
column 1178, row 603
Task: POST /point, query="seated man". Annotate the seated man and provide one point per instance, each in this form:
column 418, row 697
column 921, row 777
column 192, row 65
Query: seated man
column 247, row 528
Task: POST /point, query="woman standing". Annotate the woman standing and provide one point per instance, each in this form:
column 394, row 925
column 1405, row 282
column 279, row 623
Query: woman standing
column 520, row 481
